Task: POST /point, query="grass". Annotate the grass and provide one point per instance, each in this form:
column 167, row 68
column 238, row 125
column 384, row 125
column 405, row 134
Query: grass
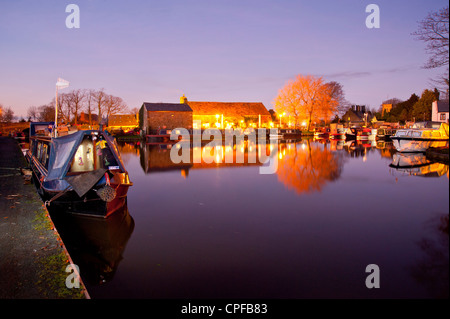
column 52, row 274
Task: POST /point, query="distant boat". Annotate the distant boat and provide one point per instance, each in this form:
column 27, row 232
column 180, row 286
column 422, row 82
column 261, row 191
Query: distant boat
column 358, row 133
column 385, row 134
column 275, row 134
column 81, row 171
column 363, row 134
column 322, row 132
column 337, row 131
column 290, row 133
column 421, row 136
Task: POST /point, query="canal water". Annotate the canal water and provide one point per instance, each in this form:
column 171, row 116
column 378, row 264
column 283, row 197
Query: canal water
column 332, row 220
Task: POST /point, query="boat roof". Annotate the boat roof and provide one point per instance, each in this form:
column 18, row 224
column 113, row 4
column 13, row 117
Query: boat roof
column 63, row 149
column 41, row 128
column 429, row 124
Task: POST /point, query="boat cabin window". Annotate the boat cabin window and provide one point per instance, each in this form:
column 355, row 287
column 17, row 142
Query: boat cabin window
column 432, row 125
column 41, row 152
column 93, row 153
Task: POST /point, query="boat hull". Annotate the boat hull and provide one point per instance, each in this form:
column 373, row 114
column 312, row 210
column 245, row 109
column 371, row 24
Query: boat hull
column 417, row 145
column 338, row 136
column 362, row 137
column 91, row 205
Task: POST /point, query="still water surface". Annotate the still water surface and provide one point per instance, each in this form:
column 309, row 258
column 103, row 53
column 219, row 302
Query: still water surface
column 307, row 231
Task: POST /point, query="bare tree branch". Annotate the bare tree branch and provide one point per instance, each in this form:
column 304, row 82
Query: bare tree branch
column 434, row 31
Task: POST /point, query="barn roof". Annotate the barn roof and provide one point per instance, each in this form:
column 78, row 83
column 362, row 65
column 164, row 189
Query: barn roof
column 169, row 107
column 228, row 108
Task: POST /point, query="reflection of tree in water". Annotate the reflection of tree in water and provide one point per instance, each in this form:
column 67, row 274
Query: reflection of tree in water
column 307, row 167
column 432, row 270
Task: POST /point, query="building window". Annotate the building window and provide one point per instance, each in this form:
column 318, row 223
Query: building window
column 442, row 116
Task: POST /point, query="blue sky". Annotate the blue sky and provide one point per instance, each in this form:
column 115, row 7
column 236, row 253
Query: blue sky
column 212, row 50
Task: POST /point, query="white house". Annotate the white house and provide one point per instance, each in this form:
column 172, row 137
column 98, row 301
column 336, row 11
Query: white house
column 439, row 111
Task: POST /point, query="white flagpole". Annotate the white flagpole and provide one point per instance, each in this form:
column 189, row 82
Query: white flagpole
column 61, row 83
column 56, row 112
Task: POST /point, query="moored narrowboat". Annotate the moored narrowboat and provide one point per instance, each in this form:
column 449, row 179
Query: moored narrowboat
column 82, row 171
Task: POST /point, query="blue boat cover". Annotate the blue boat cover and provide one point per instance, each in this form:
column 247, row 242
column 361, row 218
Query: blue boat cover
column 63, row 149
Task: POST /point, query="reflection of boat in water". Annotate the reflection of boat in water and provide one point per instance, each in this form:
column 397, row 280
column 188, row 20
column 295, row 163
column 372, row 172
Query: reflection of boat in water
column 96, row 245
column 421, row 136
column 417, row 164
column 82, row 171
column 336, row 144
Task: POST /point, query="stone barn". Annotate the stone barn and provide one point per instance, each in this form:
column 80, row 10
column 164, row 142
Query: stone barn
column 155, row 116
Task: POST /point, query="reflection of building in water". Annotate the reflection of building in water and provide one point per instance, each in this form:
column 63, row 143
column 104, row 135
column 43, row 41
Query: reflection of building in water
column 156, row 158
column 308, row 166
column 128, row 150
column 417, row 164
column 96, row 245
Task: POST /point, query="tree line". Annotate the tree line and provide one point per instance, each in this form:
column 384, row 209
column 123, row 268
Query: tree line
column 6, row 114
column 413, row 109
column 72, row 104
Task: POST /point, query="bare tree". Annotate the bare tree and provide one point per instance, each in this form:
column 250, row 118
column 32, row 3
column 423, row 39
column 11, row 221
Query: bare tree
column 100, row 102
column 76, row 98
column 32, row 113
column 114, row 105
column 337, row 97
column 434, row 31
column 90, row 95
column 64, row 108
column 46, row 113
column 7, row 115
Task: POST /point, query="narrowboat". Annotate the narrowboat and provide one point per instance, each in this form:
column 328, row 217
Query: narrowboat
column 363, row 134
column 385, row 134
column 82, row 171
column 322, row 132
column 358, row 133
column 291, row 133
column 421, row 136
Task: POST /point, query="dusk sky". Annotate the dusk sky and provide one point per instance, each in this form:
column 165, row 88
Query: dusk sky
column 210, row 50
